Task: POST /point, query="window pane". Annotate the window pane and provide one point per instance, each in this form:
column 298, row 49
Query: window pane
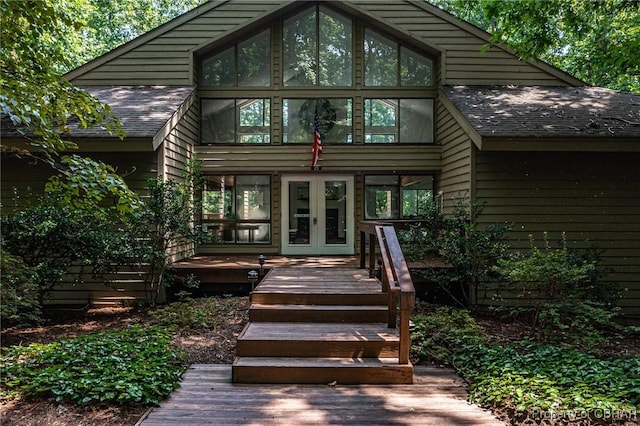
column 416, row 120
column 380, row 120
column 335, row 49
column 254, row 118
column 217, row 197
column 334, row 115
column 415, row 69
column 381, row 197
column 299, row 43
column 253, row 197
column 218, row 70
column 381, row 60
column 417, row 195
column 218, row 120
column 254, row 61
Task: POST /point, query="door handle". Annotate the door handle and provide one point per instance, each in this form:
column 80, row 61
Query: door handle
column 315, row 220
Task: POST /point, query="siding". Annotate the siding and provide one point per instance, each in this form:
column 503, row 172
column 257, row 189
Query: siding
column 465, row 63
column 166, row 58
column 127, row 285
column 175, row 153
column 334, row 159
column 590, row 196
column 455, row 179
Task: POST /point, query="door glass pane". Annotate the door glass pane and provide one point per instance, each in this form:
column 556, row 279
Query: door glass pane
column 335, row 212
column 299, row 213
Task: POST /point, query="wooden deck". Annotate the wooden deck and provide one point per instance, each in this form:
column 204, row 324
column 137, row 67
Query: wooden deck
column 207, row 397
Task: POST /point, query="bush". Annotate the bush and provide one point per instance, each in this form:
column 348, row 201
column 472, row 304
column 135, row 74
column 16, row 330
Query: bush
column 561, row 293
column 138, row 365
column 437, row 336
column 18, row 292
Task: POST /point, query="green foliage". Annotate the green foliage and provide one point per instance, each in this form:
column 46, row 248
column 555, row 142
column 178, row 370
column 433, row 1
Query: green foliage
column 561, row 293
column 41, row 104
column 440, row 334
column 18, row 292
column 138, row 365
column 165, row 219
column 528, row 376
column 51, row 238
column 473, row 251
column 597, row 41
column 198, row 314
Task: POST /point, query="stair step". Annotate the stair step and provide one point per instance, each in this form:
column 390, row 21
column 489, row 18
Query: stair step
column 318, row 313
column 321, row 370
column 318, row 298
column 275, row 339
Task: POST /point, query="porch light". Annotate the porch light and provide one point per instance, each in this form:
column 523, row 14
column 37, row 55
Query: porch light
column 252, row 276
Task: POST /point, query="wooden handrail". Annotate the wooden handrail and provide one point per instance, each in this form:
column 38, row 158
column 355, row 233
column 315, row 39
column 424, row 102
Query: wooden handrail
column 395, row 277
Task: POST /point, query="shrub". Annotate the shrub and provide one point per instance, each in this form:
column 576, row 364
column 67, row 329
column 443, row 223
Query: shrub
column 18, row 292
column 138, row 365
column 441, row 333
column 561, row 293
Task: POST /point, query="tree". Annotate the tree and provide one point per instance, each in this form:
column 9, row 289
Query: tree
column 41, row 104
column 597, row 41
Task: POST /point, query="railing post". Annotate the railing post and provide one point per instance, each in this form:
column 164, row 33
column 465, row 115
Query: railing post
column 363, row 248
column 405, row 337
column 372, row 255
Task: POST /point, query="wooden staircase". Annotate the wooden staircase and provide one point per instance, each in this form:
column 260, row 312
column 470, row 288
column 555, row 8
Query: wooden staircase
column 320, row 325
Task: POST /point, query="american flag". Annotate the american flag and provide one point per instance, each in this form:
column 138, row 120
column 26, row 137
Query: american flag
column 317, row 142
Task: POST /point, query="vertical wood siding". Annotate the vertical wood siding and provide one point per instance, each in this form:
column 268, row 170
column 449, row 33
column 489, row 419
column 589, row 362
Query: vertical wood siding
column 590, row 196
column 455, row 179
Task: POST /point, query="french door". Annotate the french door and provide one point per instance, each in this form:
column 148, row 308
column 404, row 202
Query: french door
column 317, row 214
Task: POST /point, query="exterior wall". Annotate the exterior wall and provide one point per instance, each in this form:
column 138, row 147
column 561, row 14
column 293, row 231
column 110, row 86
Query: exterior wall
column 590, row 196
column 127, row 285
column 165, row 57
column 463, row 61
column 454, row 183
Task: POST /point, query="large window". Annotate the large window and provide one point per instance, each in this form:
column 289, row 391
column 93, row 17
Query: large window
column 317, row 48
column 334, row 120
column 236, row 121
column 245, row 64
column 389, row 64
column 237, row 209
column 398, row 120
column 397, row 197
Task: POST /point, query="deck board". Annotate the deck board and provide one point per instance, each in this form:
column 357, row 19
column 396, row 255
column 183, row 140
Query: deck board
column 207, row 397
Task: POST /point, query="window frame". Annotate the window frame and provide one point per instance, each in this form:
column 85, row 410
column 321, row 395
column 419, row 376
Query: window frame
column 231, row 225
column 264, row 130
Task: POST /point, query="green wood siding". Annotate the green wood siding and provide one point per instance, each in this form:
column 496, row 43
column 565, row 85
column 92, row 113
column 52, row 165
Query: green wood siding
column 590, row 196
column 455, row 179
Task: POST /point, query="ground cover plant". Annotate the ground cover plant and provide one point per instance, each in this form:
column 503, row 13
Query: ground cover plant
column 523, row 380
column 137, row 365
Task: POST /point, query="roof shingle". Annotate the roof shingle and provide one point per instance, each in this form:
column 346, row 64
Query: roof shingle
column 547, row 112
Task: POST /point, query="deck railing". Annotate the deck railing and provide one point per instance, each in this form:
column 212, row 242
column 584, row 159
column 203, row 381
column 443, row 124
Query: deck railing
column 394, row 276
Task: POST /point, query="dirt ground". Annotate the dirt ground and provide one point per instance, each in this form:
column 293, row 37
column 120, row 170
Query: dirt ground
column 211, row 346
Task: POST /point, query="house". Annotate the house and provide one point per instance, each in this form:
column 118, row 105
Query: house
column 407, row 106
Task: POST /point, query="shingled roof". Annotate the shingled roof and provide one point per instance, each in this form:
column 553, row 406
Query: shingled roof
column 547, row 112
column 142, row 110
